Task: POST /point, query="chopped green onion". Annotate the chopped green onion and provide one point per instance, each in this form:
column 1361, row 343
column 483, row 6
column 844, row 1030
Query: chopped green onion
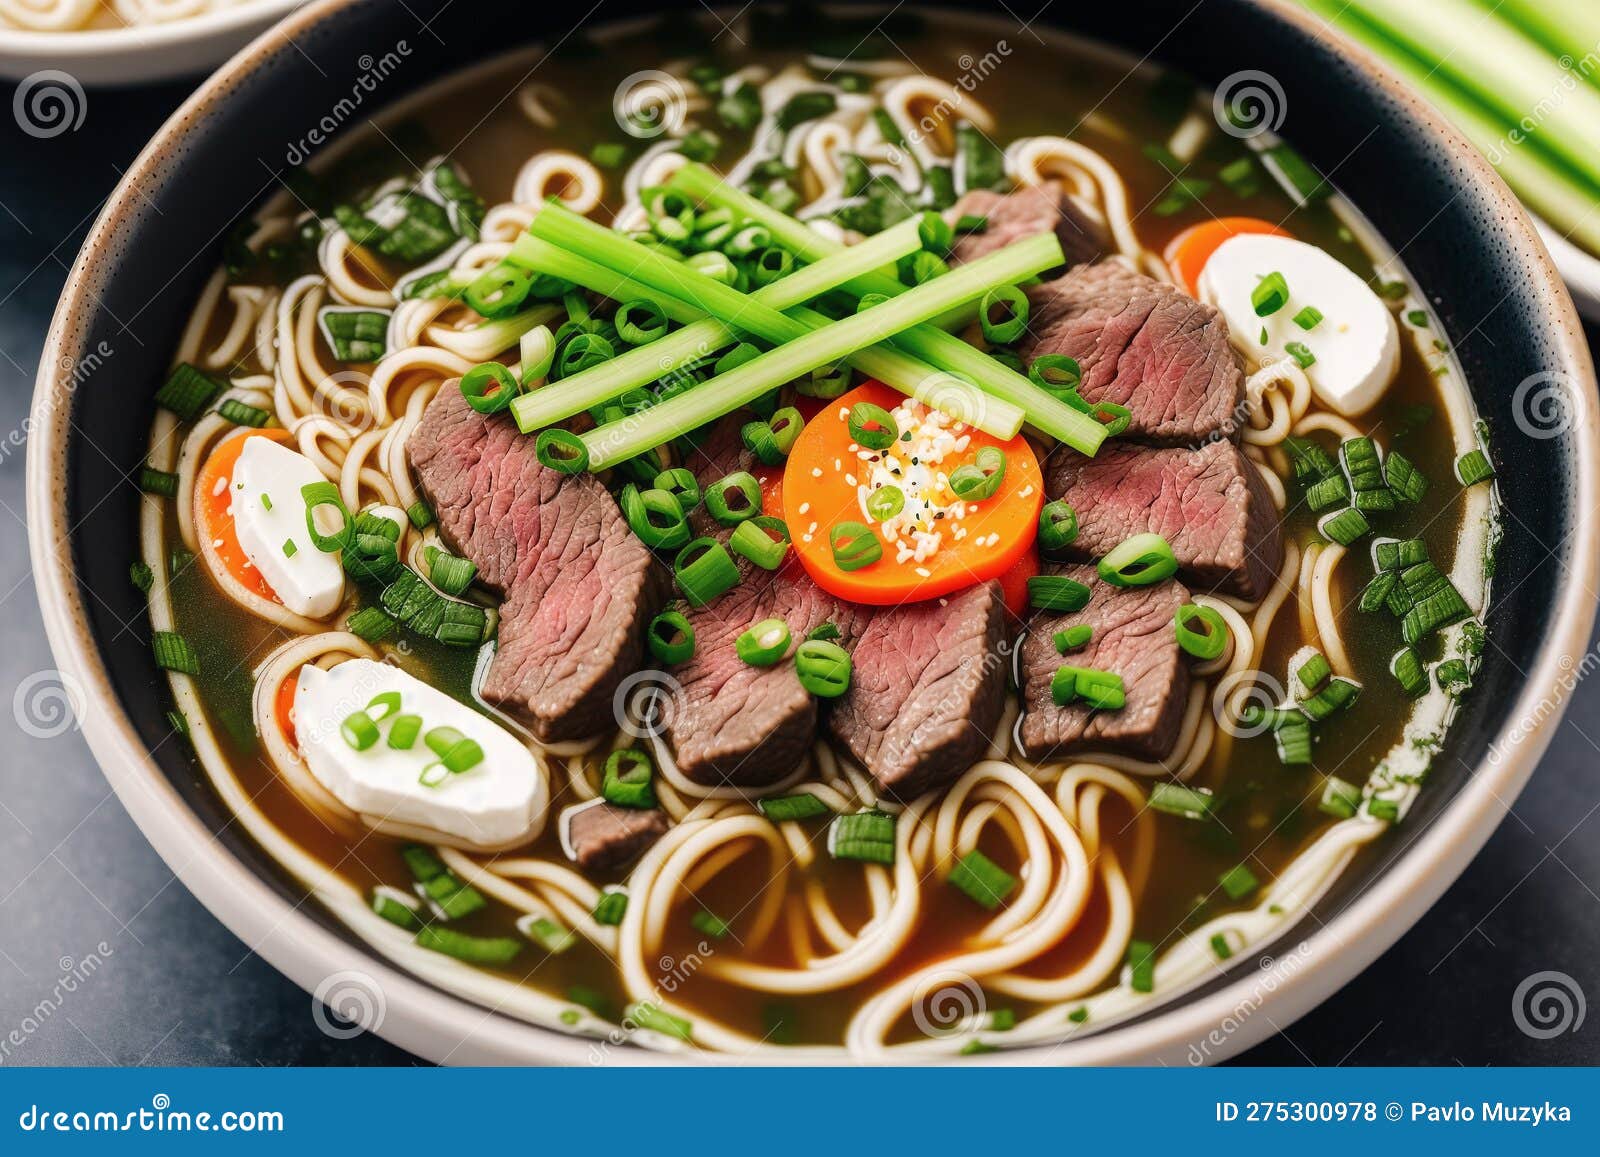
column 670, row 637
column 1402, row 477
column 1344, row 526
column 240, row 414
column 854, row 546
column 355, row 335
column 709, row 923
column 160, row 482
column 763, row 644
column 1220, row 946
column 681, row 484
column 390, row 905
column 489, row 387
column 1139, row 561
column 1238, row 882
column 655, row 517
column 1435, row 602
column 970, row 223
column 703, row 571
column 1398, row 553
column 358, row 730
column 142, row 577
column 1202, row 632
column 1141, row 966
column 1454, row 676
column 1057, row 373
column 1295, row 173
column 187, row 392
column 1338, row 694
column 1003, row 315
column 1308, row 318
column 1301, row 353
column 1292, row 738
column 979, row 479
column 1473, row 467
column 792, row 808
column 1057, row 593
column 383, row 705
column 827, row 632
column 867, row 837
column 546, row 933
column 733, row 498
column 1101, row 690
column 640, row 322
column 451, row 574
column 1364, row 469
column 173, row 653
column 1327, row 492
column 1074, row 638
column 1339, row 798
column 612, row 906
column 1270, row 295
column 1406, row 666
column 403, row 732
column 486, row 950
column 562, row 451
column 1177, row 799
column 872, row 426
column 885, row 502
column 764, row 540
column 626, row 779
column 1375, row 596
column 318, row 495
column 1384, row 809
column 1058, row 525
column 981, row 880
column 648, row 1016
column 823, row 668
column 420, row 514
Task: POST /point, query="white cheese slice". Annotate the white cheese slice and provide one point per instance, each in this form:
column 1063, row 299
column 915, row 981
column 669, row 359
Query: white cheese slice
column 1356, row 344
column 497, row 802
column 269, row 516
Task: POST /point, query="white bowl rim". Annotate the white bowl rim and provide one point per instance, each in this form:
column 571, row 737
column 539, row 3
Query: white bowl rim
column 447, row 1029
column 139, row 38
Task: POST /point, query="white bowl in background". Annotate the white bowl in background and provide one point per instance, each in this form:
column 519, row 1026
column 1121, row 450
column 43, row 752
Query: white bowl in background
column 138, row 54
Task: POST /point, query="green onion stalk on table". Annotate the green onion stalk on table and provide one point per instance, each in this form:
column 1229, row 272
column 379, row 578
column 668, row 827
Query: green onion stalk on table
column 1519, row 78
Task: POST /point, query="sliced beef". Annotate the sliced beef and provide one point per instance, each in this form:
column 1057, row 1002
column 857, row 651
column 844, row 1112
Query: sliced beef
column 578, row 586
column 1210, row 504
column 927, row 690
column 729, row 722
column 1024, row 213
column 733, row 723
column 1133, row 637
column 603, row 836
column 1144, row 345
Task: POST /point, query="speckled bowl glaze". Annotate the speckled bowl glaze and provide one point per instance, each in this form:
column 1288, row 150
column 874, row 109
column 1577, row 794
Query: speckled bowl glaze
column 1465, row 238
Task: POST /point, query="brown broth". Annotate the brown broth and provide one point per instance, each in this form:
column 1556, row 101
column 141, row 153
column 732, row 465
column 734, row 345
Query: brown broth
column 1269, row 813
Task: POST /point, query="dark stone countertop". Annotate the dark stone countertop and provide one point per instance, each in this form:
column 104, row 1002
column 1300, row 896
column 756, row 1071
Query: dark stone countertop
column 174, row 987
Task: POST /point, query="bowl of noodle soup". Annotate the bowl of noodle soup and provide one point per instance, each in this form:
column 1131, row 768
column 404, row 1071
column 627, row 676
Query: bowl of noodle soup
column 957, row 857
column 126, row 41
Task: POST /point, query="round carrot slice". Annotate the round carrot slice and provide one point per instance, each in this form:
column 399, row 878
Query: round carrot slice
column 1014, row 583
column 829, row 475
column 1189, row 251
column 283, row 707
column 213, row 502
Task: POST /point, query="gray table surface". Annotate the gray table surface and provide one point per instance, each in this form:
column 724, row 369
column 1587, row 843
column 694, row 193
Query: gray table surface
column 106, row 959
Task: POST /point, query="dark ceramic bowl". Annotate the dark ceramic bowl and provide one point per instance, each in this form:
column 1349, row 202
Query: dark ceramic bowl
column 1466, row 240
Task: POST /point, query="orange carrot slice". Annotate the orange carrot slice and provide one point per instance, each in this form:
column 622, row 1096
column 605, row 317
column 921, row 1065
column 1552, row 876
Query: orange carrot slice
column 1189, row 251
column 818, row 494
